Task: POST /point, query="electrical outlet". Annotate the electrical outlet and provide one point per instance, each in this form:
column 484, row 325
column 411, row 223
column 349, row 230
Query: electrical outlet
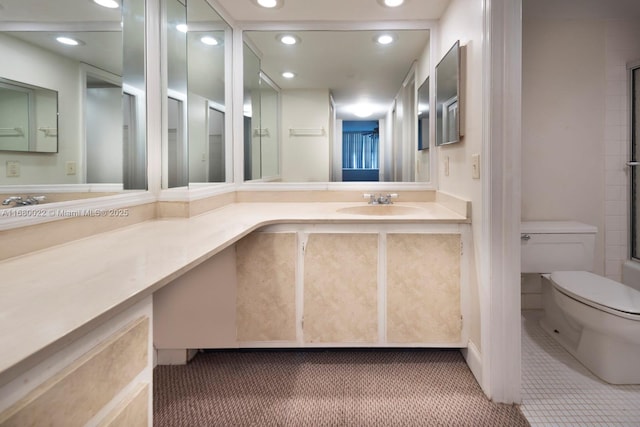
column 446, row 166
column 13, row 169
column 70, row 168
column 475, row 166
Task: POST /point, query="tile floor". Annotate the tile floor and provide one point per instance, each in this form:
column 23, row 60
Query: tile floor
column 558, row 391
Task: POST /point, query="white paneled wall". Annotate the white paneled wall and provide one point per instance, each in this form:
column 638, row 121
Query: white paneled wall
column 622, row 46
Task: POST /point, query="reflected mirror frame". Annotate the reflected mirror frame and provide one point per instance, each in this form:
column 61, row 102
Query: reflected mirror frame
column 452, row 103
column 31, row 133
column 423, row 133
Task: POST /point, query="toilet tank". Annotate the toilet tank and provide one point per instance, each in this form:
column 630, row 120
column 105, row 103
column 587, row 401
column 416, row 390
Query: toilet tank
column 548, row 246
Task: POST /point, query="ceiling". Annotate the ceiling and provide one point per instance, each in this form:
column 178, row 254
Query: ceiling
column 335, row 10
column 349, row 63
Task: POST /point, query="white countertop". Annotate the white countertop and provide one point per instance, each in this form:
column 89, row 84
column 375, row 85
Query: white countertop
column 50, row 297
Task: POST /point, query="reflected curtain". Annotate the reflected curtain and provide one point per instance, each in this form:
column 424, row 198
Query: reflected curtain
column 360, row 150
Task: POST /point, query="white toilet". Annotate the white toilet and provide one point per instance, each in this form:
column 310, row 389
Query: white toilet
column 596, row 319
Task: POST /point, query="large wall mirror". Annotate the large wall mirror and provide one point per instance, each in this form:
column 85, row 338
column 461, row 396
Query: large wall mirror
column 91, row 58
column 448, row 97
column 198, row 148
column 324, row 79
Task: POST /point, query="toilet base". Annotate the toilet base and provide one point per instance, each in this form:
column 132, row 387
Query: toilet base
column 586, row 334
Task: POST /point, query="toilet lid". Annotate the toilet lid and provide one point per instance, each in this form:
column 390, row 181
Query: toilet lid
column 597, row 290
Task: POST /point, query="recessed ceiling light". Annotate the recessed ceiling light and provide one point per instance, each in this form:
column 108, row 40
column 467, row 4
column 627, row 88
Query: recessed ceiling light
column 68, row 41
column 269, row 4
column 391, row 3
column 385, row 39
column 183, row 28
column 288, row 39
column 111, row 4
column 288, row 75
column 209, row 40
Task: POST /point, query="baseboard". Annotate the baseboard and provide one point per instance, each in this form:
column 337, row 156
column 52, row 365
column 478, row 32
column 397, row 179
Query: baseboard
column 474, row 360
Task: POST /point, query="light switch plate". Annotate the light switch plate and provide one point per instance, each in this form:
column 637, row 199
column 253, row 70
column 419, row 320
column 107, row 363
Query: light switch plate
column 475, row 166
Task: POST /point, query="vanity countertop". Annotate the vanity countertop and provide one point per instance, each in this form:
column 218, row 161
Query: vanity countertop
column 53, row 296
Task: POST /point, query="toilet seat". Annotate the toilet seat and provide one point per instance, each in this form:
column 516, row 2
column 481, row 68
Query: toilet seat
column 599, row 292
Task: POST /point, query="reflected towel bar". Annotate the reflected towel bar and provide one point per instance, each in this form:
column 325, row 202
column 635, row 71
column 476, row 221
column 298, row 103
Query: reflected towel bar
column 306, row 132
column 11, row 132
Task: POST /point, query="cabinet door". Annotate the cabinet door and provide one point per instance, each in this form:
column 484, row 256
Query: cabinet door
column 423, row 288
column 340, row 288
column 266, row 303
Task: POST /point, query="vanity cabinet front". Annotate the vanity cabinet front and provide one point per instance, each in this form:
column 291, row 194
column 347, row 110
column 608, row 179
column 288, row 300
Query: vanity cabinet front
column 266, row 289
column 423, row 288
column 322, row 285
column 340, row 288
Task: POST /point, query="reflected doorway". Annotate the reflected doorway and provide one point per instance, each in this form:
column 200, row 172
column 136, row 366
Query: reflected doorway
column 360, row 150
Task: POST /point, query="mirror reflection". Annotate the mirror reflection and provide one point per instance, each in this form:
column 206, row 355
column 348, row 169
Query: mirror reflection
column 447, row 97
column 93, row 58
column 423, row 115
column 326, row 78
column 261, row 111
column 198, row 148
column 28, row 118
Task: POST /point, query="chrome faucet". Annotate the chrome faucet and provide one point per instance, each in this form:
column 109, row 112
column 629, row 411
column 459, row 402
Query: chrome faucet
column 380, row 199
column 13, row 199
column 19, row 201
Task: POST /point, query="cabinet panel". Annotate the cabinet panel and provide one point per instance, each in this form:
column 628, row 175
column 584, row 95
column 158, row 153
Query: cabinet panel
column 197, row 310
column 76, row 394
column 266, row 272
column 423, row 288
column 340, row 288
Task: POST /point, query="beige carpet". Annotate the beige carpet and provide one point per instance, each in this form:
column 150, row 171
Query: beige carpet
column 326, row 388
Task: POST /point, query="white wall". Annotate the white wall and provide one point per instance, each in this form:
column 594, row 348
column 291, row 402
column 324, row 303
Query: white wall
column 463, row 21
column 305, row 158
column 269, row 155
column 26, row 63
column 104, row 135
column 563, row 88
column 198, row 138
column 577, row 56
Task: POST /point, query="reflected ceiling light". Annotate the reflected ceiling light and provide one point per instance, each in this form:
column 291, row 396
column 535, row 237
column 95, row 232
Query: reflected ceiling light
column 209, row 40
column 362, row 110
column 269, row 4
column 385, row 39
column 391, row 3
column 288, row 75
column 68, row 41
column 111, row 4
column 183, row 28
column 288, row 39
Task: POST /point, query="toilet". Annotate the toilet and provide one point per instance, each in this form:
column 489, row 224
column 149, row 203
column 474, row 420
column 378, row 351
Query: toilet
column 594, row 318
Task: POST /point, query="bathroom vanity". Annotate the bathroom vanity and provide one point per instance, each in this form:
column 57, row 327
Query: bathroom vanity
column 96, row 310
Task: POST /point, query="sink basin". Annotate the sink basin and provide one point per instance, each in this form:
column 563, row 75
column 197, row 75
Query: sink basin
column 379, row 210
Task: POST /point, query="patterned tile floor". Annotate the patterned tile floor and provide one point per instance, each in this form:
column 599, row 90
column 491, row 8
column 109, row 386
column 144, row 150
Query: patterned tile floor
column 558, row 391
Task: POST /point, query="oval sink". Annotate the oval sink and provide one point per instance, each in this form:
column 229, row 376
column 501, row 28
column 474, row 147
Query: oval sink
column 379, row 210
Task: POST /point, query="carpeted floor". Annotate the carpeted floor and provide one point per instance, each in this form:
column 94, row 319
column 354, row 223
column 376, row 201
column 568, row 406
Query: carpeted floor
column 326, row 388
